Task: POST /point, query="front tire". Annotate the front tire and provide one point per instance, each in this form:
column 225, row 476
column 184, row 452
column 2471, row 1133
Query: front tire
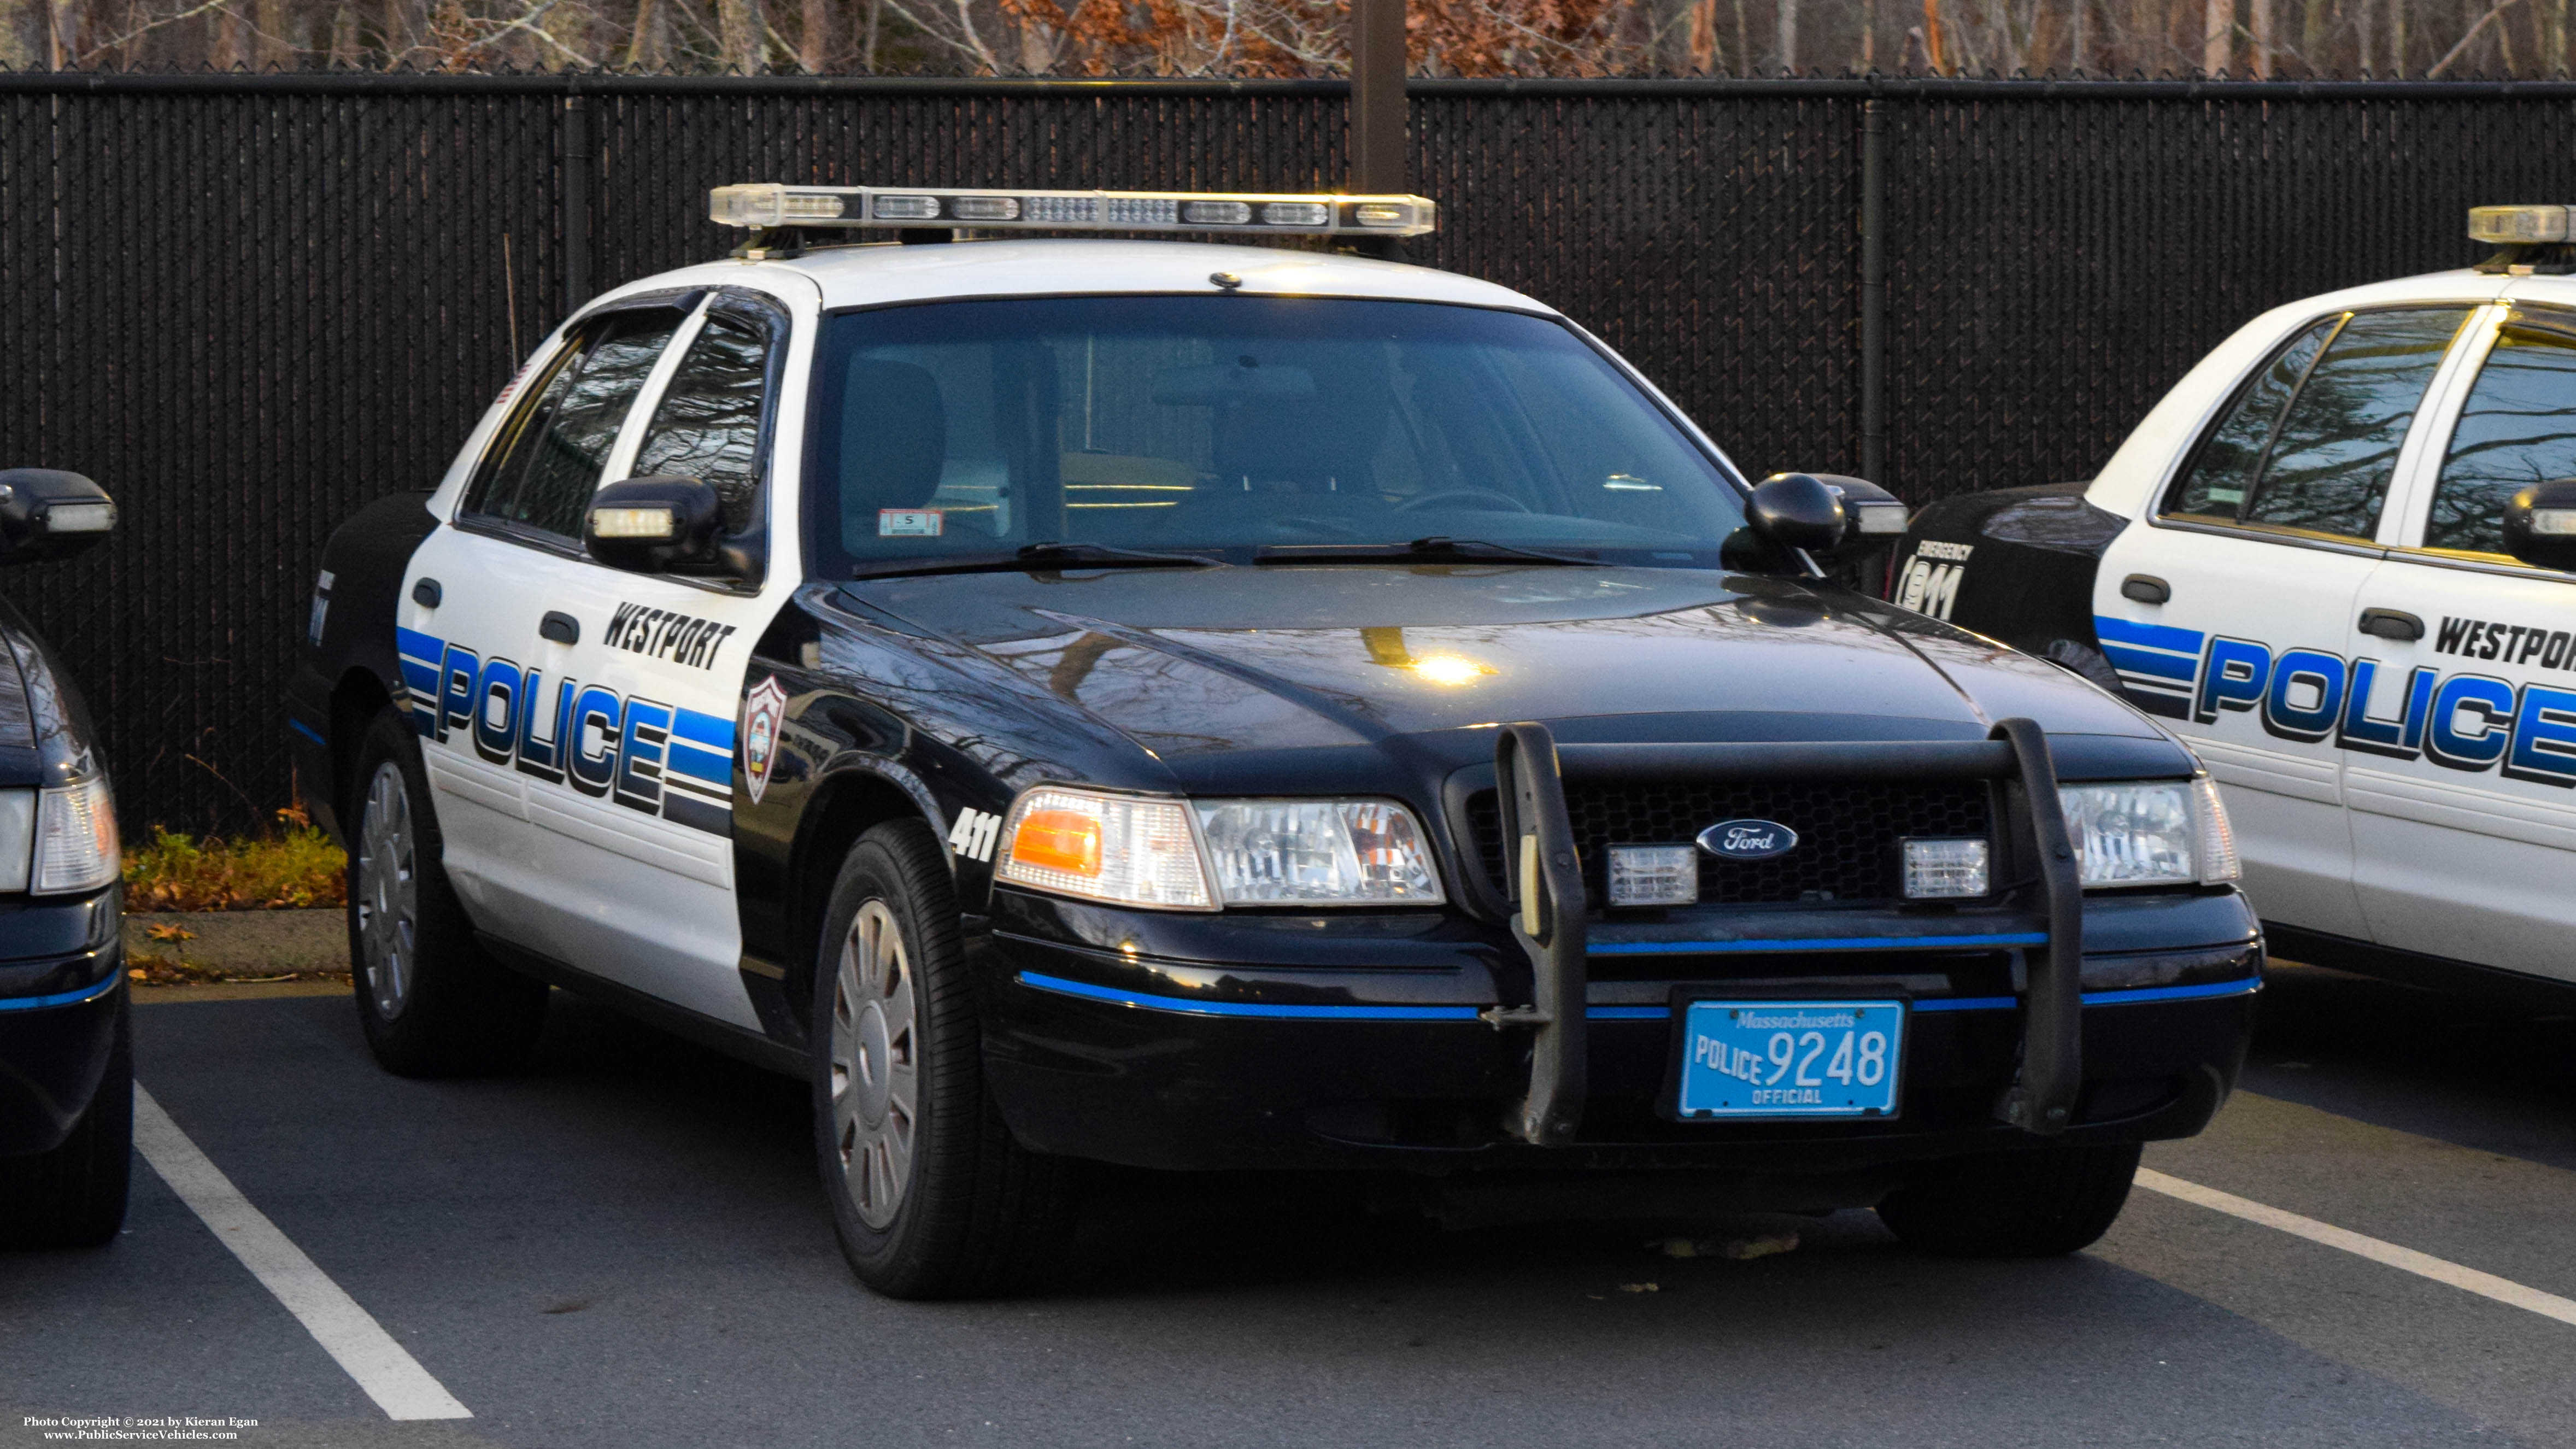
column 2040, row 1203
column 431, row 1001
column 74, row 1196
column 931, row 1195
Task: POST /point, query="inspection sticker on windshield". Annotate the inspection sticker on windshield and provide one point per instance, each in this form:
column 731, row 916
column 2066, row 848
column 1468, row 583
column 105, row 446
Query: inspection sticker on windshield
column 1791, row 1058
column 911, row 522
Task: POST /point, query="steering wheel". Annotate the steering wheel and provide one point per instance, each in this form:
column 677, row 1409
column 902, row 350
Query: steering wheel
column 1495, row 502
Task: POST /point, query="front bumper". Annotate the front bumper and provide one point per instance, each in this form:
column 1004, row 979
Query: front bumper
column 62, row 991
column 1357, row 1042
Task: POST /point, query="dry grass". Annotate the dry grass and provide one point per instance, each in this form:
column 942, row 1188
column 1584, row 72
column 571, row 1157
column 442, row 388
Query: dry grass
column 298, row 866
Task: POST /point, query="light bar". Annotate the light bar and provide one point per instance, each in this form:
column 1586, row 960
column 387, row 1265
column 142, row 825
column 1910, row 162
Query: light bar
column 1258, row 214
column 2514, row 226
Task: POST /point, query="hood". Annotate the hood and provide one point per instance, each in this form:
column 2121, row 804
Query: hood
column 1200, row 662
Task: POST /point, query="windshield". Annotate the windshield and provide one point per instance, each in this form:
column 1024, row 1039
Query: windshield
column 1232, row 423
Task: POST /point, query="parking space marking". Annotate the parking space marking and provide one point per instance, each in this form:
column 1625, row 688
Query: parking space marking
column 2424, row 1265
column 347, row 1332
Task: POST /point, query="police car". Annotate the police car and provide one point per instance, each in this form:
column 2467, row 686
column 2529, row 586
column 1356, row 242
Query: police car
column 2335, row 558
column 66, row 1055
column 1197, row 705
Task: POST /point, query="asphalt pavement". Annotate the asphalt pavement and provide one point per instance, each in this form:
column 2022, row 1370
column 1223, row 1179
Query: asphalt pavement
column 626, row 1247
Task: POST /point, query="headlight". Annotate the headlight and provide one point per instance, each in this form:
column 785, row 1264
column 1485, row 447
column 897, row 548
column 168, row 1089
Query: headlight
column 75, row 839
column 1318, row 852
column 2151, row 832
column 1201, row 855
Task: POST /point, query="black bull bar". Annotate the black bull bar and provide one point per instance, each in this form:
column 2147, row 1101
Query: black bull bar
column 1550, row 910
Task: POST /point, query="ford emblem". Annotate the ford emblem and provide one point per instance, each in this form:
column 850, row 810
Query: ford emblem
column 1748, row 839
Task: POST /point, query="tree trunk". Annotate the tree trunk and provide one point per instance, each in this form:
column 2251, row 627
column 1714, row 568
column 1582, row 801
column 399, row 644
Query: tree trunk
column 2554, row 59
column 742, row 39
column 650, row 47
column 815, row 45
column 402, row 33
column 2218, row 18
column 2260, row 13
column 20, row 49
column 1936, row 51
column 1703, row 37
column 1788, row 34
column 228, row 38
column 2397, row 37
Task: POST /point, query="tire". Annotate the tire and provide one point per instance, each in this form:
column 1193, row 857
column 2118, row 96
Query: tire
column 431, row 1001
column 2033, row 1204
column 931, row 1196
column 74, row 1196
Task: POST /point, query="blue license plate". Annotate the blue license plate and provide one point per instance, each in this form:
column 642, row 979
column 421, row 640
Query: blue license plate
column 1791, row 1058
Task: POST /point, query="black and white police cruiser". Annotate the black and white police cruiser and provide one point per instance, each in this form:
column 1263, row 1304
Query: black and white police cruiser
column 2336, row 558
column 1212, row 706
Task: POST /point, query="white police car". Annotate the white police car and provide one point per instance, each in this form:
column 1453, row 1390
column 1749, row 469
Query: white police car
column 1195, row 707
column 2336, row 559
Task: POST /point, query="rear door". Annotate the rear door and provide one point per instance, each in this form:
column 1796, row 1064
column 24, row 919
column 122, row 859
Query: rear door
column 2231, row 615
column 2464, row 798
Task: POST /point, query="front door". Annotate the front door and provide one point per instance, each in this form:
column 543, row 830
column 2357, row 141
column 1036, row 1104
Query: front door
column 2259, row 550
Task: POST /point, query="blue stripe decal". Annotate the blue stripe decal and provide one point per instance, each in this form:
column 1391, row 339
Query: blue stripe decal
column 700, row 764
column 306, row 730
column 2139, row 661
column 1819, row 943
column 1968, row 1003
column 2131, row 996
column 711, row 730
column 67, row 998
column 2153, row 636
column 1189, row 1007
column 419, row 645
column 1628, row 1013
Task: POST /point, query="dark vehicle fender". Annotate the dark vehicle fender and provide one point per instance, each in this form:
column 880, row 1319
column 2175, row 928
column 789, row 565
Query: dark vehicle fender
column 346, row 667
column 2015, row 564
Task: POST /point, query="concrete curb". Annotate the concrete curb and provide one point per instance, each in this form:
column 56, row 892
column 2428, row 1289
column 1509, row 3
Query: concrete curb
column 246, row 943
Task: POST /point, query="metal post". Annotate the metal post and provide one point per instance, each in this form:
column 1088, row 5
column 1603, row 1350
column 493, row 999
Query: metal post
column 1377, row 96
column 1873, row 291
column 576, row 201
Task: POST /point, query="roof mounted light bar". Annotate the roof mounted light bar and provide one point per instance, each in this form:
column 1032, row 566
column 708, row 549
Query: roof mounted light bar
column 907, row 207
column 2528, row 239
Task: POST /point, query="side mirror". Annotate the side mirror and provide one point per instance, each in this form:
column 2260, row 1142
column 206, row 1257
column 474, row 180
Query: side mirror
column 1798, row 510
column 656, row 526
column 46, row 514
column 1877, row 516
column 2540, row 524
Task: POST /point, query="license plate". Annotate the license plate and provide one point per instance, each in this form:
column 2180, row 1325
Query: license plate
column 1791, row 1058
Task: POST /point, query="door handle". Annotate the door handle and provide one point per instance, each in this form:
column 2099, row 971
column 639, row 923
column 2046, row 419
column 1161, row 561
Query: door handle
column 2392, row 624
column 2145, row 589
column 561, row 627
column 426, row 593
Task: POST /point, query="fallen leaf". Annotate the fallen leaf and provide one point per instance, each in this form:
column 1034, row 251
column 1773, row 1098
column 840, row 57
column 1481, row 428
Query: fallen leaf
column 169, row 931
column 1676, row 1247
column 1746, row 1249
column 1641, row 1287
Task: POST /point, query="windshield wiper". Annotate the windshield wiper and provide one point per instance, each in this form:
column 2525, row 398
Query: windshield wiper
column 1034, row 556
column 1438, row 548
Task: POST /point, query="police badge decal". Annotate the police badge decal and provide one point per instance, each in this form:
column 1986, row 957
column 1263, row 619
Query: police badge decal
column 762, row 710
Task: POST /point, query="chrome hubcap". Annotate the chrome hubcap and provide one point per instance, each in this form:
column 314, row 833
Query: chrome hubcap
column 875, row 1069
column 387, row 898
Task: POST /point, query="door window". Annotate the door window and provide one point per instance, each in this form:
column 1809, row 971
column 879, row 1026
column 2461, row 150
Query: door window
column 546, row 463
column 707, row 425
column 2313, row 443
column 2518, row 428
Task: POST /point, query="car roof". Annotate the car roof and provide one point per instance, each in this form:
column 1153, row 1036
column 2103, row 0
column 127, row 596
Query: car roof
column 889, row 272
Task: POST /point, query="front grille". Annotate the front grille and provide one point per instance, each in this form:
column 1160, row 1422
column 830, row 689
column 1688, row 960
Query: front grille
column 1847, row 831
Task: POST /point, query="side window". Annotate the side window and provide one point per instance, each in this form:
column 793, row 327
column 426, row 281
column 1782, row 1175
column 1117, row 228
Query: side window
column 2518, row 428
column 548, row 461
column 707, row 424
column 2324, row 461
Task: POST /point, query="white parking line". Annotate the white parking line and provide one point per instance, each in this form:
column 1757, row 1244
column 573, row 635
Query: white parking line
column 347, row 1332
column 2425, row 1265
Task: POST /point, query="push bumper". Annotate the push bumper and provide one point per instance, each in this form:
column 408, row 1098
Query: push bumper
column 62, row 991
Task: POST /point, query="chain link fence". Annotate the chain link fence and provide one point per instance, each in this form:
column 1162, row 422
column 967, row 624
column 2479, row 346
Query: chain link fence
column 247, row 305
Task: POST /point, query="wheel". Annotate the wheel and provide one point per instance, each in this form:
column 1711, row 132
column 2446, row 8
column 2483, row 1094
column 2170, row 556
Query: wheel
column 74, row 1196
column 2033, row 1204
column 931, row 1196
column 431, row 1001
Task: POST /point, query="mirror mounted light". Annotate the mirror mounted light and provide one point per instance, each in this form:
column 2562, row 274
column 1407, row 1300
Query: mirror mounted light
column 48, row 514
column 1798, row 510
column 658, row 526
column 2540, row 524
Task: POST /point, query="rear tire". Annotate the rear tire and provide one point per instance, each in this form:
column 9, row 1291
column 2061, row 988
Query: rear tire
column 432, row 1002
column 2033, row 1204
column 74, row 1196
column 931, row 1195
